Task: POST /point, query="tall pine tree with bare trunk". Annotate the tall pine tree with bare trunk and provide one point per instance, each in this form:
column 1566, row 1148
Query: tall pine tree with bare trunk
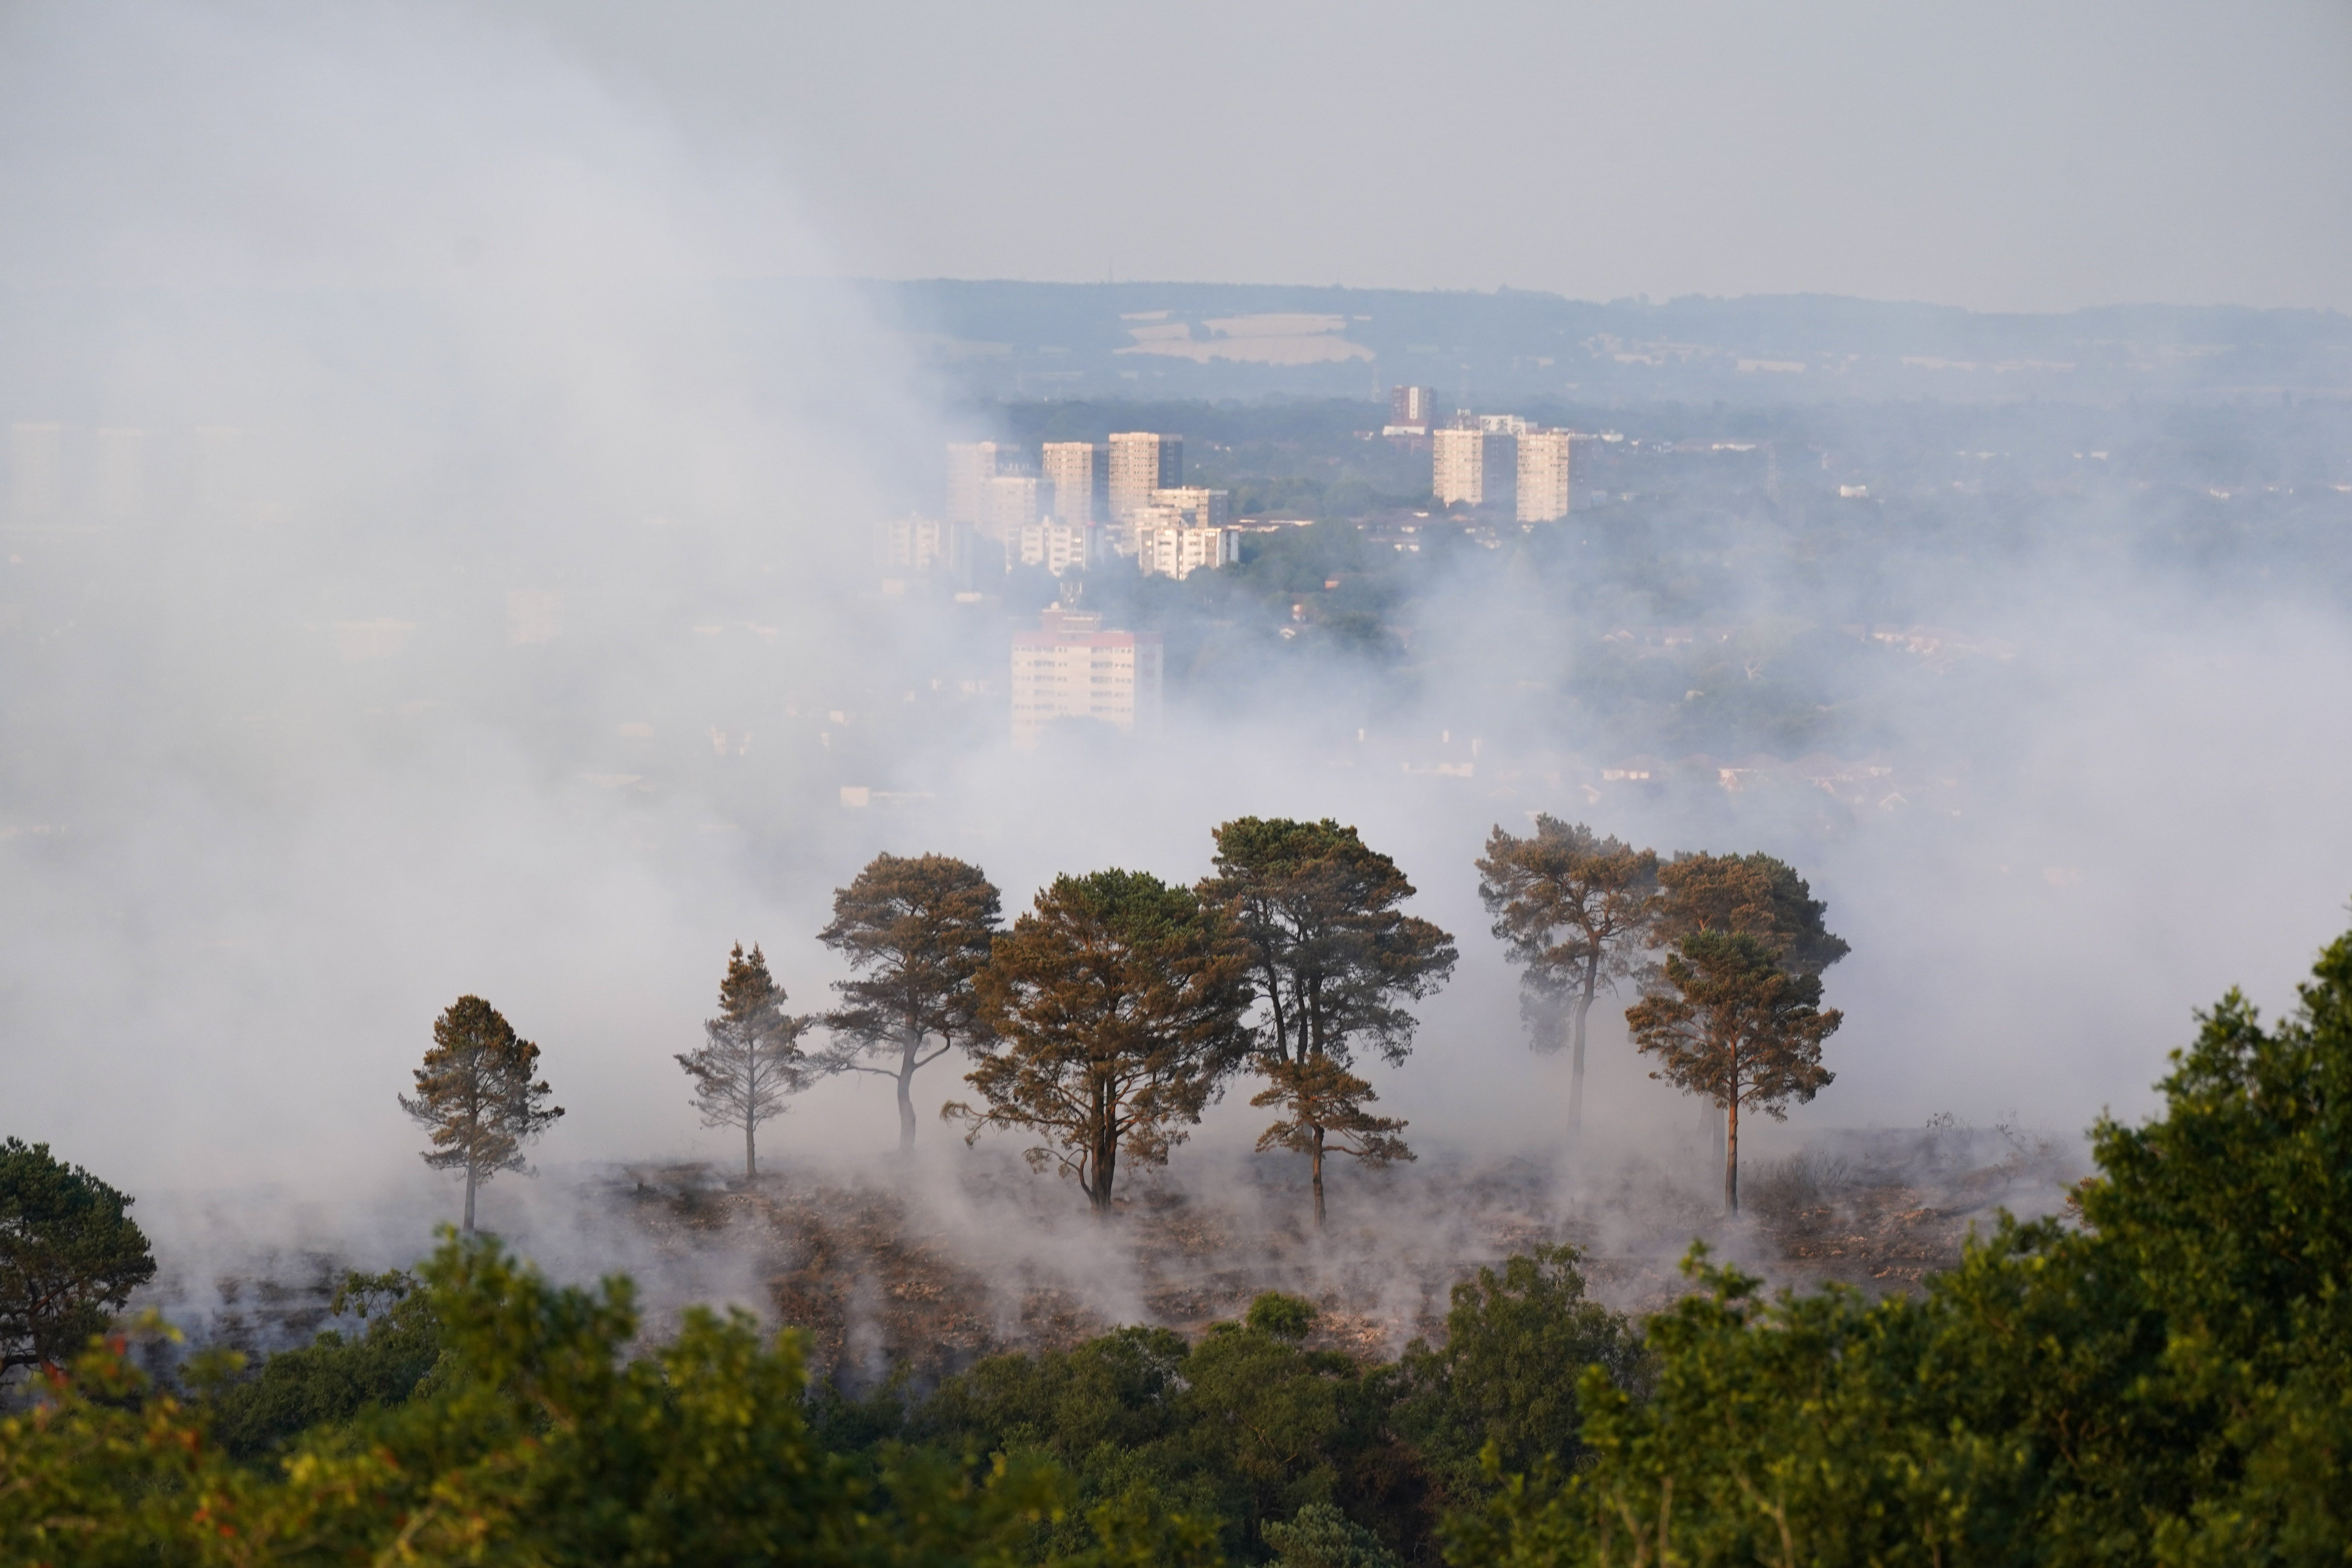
column 1576, row 911
column 751, row 1054
column 1334, row 961
column 1728, row 1020
column 1753, row 895
column 915, row 929
column 1114, row 1011
column 476, row 1093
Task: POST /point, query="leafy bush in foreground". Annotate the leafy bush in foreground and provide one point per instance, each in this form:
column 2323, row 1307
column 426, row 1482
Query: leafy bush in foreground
column 535, row 1441
column 2168, row 1383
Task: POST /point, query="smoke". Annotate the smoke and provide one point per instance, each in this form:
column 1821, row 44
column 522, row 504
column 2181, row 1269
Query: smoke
column 466, row 500
column 437, row 564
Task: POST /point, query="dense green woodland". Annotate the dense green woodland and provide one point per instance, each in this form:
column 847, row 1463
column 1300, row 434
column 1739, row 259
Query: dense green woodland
column 2164, row 1376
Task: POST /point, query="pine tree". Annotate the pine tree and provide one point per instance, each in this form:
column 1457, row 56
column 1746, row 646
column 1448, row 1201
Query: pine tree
column 751, row 1055
column 1576, row 910
column 474, row 1091
column 1335, row 961
column 1731, row 1022
column 1114, row 1011
column 1751, row 895
column 71, row 1255
column 915, row 930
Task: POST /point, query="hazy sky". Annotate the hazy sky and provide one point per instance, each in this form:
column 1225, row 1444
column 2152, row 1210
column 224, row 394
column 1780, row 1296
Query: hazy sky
column 2000, row 155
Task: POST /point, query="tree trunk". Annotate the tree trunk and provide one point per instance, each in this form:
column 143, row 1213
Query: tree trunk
column 1731, row 1152
column 1281, row 1023
column 750, row 1152
column 1106, row 1168
column 1576, row 1053
column 1317, row 1156
column 907, row 1093
column 470, row 1178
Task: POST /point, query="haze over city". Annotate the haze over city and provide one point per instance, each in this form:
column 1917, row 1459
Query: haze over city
column 530, row 503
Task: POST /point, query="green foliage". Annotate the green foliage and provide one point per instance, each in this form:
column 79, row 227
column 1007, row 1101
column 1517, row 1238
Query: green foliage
column 915, row 929
column 751, row 1056
column 334, row 1378
column 1334, row 957
column 1269, row 1418
column 1115, row 1392
column 539, row 1442
column 2233, row 1215
column 1284, row 1317
column 1749, row 895
column 1730, row 1023
column 71, row 1255
column 1114, row 1008
column 2167, row 1382
column 2171, row 1384
column 1575, row 909
column 1518, row 1341
column 1335, row 961
column 1323, row 1536
column 476, row 1097
column 1246, row 1426
column 1108, row 1410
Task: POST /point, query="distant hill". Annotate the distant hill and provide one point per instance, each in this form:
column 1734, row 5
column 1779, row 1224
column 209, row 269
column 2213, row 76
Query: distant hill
column 1160, row 340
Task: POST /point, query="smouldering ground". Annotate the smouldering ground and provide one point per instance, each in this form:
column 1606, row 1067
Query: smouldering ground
column 925, row 1267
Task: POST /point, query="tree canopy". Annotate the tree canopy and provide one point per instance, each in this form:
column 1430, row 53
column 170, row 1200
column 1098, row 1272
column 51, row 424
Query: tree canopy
column 540, row 1439
column 1335, row 962
column 2167, row 1382
column 1333, row 957
column 2161, row 1376
column 395, row 1348
column 915, row 929
column 1114, row 1008
column 476, row 1096
column 751, row 1058
column 1518, row 1339
column 1730, row 1023
column 71, row 1256
column 1575, row 910
column 1748, row 895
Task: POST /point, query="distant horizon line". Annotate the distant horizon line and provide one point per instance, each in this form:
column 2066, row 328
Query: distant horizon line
column 1503, row 290
column 1629, row 301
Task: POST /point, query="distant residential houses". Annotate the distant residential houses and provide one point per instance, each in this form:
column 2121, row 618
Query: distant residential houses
column 1939, row 648
column 1867, row 782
